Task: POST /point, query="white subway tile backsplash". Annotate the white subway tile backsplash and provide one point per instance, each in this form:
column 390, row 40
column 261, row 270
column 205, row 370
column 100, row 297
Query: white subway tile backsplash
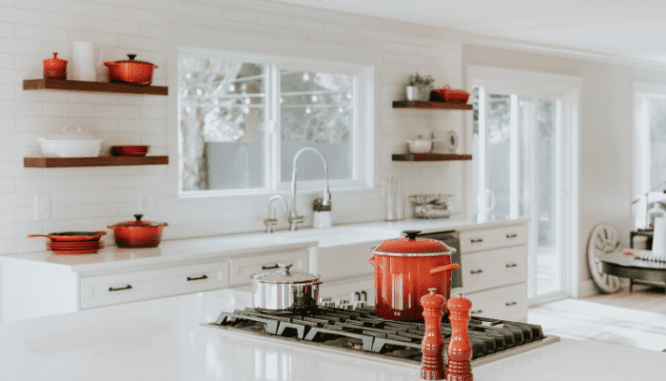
column 93, row 210
column 7, row 30
column 20, row 16
column 40, row 33
column 91, row 9
column 68, row 109
column 93, row 182
column 117, row 26
column 139, row 15
column 57, row 19
column 120, row 111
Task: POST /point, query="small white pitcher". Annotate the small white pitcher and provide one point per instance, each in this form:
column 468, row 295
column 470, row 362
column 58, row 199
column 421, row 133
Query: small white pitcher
column 84, row 65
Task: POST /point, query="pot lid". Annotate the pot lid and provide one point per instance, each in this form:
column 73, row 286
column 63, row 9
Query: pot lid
column 138, row 222
column 73, row 133
column 285, row 276
column 413, row 246
column 55, row 60
column 133, row 60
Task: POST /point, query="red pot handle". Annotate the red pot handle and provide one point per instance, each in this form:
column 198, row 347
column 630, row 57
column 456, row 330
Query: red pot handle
column 451, row 267
column 38, row 235
column 371, row 260
column 317, row 283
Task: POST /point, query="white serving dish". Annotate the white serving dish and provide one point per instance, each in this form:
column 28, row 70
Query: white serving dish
column 70, row 144
column 419, row 145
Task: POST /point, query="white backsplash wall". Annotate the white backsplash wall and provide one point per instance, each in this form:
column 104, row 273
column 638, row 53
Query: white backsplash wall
column 92, row 198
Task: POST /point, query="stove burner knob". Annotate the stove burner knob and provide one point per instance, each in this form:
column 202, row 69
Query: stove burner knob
column 360, row 304
column 340, row 302
column 328, row 303
column 324, row 300
column 346, row 306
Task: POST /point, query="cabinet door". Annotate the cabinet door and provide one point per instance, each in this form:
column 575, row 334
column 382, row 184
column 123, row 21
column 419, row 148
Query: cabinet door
column 107, row 290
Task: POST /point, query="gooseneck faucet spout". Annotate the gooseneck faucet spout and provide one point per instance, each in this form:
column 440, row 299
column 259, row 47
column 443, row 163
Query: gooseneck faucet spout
column 271, row 221
column 294, row 218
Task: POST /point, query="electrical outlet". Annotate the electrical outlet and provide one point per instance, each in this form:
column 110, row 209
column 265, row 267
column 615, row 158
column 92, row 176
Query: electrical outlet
column 42, row 207
column 147, row 201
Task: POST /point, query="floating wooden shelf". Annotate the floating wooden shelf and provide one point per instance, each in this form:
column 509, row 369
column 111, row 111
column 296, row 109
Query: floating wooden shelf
column 99, row 87
column 430, row 157
column 432, row 105
column 100, row 161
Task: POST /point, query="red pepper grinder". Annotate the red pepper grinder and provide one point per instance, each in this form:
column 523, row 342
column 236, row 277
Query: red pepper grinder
column 460, row 349
column 432, row 345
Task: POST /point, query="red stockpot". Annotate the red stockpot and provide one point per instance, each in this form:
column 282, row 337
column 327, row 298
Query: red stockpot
column 138, row 233
column 405, row 269
column 131, row 71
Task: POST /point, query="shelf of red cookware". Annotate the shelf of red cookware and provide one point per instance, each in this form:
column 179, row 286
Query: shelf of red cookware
column 432, row 105
column 99, row 87
column 100, row 161
column 430, row 157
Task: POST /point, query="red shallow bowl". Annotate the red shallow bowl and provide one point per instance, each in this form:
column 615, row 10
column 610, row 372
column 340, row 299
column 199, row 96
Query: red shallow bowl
column 129, row 150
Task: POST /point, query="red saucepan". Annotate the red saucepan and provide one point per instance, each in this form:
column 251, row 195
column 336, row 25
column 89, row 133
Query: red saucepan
column 131, row 71
column 138, row 233
column 71, row 236
column 405, row 269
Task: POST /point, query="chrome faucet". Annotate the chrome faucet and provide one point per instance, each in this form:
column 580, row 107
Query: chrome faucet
column 271, row 221
column 294, row 218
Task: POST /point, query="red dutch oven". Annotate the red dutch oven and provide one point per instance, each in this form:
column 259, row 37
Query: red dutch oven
column 131, row 71
column 138, row 233
column 55, row 67
column 405, row 269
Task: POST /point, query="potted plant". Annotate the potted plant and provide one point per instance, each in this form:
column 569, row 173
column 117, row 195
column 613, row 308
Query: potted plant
column 418, row 88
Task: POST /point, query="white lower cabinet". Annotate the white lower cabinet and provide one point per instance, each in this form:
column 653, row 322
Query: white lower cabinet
column 508, row 303
column 357, row 289
column 106, row 290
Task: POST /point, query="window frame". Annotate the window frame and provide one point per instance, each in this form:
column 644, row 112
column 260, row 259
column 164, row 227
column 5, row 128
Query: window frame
column 642, row 146
column 360, row 63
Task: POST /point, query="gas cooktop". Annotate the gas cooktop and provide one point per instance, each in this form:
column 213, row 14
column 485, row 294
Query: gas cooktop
column 361, row 331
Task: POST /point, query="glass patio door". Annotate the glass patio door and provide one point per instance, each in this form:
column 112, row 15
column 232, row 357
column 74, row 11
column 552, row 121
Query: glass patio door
column 517, row 140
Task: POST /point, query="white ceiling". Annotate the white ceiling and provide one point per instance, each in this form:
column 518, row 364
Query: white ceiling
column 634, row 29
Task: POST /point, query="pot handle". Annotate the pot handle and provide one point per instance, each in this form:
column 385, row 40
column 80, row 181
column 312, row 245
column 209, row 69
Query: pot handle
column 451, row 267
column 317, row 283
column 371, row 260
column 38, row 235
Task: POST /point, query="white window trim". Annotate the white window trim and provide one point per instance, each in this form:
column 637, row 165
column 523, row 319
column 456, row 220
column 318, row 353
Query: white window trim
column 360, row 62
column 568, row 88
column 655, row 90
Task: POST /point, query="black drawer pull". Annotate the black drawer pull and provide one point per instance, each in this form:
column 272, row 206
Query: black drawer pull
column 476, row 312
column 275, row 266
column 509, row 304
column 476, row 240
column 128, row 287
column 199, row 278
column 509, row 265
column 479, row 271
column 511, row 235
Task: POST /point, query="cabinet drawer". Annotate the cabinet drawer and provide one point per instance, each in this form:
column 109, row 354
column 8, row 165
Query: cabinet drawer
column 509, row 303
column 142, row 285
column 477, row 240
column 494, row 268
column 242, row 268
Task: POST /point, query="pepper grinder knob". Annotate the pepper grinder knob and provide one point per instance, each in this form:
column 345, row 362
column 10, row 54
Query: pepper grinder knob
column 432, row 345
column 460, row 349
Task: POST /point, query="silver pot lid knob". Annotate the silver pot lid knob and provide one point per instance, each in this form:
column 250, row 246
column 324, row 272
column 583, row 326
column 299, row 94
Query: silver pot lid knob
column 286, row 267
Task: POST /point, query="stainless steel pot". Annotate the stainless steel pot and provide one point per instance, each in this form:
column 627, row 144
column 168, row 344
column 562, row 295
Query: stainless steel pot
column 283, row 290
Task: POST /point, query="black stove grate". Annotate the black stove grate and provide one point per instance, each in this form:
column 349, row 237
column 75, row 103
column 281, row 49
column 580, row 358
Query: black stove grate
column 361, row 329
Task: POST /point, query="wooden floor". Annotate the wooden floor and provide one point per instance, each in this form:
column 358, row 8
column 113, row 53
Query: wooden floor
column 635, row 319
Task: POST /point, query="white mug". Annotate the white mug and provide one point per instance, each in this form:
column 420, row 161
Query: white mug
column 84, row 66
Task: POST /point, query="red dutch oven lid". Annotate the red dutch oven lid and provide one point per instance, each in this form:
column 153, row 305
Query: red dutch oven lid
column 138, row 222
column 131, row 60
column 412, row 246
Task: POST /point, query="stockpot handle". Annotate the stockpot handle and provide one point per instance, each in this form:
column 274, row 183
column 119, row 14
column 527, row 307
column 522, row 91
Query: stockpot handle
column 451, row 267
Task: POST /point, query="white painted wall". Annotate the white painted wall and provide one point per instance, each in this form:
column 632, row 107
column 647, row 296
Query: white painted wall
column 605, row 137
column 85, row 198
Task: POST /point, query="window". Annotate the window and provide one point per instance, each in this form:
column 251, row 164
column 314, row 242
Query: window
column 242, row 119
column 649, row 151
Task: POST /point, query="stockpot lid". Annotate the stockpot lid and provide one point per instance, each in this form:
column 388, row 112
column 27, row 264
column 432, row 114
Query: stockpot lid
column 412, row 246
column 138, row 222
column 284, row 275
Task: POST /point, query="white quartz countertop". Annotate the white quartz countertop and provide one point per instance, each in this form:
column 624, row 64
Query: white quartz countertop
column 163, row 340
column 208, row 248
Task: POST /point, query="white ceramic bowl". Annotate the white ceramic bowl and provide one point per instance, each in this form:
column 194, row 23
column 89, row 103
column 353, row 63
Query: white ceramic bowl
column 70, row 147
column 419, row 146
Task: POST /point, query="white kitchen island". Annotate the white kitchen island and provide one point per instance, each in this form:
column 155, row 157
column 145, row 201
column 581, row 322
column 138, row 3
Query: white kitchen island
column 163, row 340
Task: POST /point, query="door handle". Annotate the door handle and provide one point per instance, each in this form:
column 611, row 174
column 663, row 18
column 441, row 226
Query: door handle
column 128, row 287
column 509, row 304
column 476, row 240
column 198, row 278
column 275, row 266
column 479, row 271
column 476, row 312
column 509, row 265
column 511, row 235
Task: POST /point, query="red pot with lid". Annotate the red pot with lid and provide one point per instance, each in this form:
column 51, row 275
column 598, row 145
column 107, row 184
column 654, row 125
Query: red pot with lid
column 405, row 269
column 55, row 67
column 131, row 71
column 138, row 233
